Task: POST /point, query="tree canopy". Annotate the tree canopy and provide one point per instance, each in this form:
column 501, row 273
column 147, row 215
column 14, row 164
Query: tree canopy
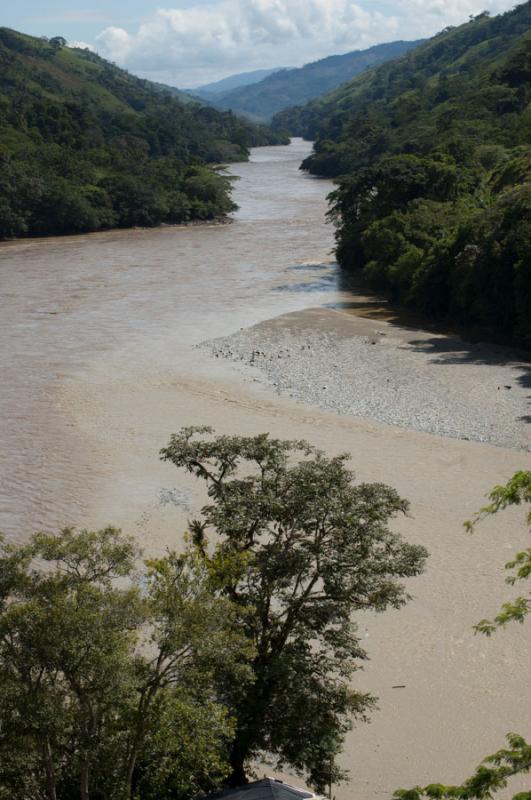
column 108, row 671
column 126, row 680
column 299, row 548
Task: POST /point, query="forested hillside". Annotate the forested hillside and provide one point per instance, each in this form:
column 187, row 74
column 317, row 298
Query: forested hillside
column 290, row 87
column 86, row 146
column 433, row 159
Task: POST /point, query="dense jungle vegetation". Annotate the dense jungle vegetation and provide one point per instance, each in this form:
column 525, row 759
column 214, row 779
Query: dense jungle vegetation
column 85, row 146
column 432, row 157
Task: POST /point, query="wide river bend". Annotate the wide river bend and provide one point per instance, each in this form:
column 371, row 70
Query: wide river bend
column 99, row 367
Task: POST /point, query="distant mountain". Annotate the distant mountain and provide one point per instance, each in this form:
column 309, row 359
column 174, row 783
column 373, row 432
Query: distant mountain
column 292, row 87
column 234, row 82
column 432, row 156
column 85, row 146
column 181, row 94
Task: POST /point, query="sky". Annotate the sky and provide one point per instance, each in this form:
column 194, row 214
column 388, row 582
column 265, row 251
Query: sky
column 187, row 43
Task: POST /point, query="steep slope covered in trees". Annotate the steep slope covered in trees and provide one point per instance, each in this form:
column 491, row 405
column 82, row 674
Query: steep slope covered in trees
column 289, row 87
column 433, row 159
column 85, row 146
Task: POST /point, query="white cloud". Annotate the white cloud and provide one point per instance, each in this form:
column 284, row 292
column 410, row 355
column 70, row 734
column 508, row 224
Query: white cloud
column 82, row 45
column 440, row 13
column 193, row 44
column 188, row 46
column 454, row 11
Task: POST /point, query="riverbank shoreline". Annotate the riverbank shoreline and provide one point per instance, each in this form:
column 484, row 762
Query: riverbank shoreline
column 193, row 223
column 374, row 369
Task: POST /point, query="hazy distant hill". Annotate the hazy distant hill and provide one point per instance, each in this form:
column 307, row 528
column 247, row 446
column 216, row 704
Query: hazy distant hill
column 181, row 94
column 290, row 87
column 84, row 145
column 234, row 82
column 433, row 158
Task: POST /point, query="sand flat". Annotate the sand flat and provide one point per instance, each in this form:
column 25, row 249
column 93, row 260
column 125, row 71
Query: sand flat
column 462, row 693
column 381, row 370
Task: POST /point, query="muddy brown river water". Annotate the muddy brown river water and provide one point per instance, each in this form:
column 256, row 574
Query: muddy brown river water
column 146, row 295
column 99, row 367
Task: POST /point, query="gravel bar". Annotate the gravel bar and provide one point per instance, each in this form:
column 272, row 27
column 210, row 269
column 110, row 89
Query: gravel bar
column 411, row 379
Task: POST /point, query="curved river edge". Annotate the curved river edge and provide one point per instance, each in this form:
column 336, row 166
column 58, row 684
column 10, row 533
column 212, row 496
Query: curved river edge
column 104, row 366
column 365, row 367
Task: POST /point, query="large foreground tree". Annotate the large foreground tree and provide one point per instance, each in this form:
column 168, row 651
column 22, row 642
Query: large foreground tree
column 299, row 548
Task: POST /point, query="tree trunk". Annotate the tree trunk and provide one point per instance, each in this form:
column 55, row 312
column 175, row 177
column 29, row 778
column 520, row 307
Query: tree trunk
column 90, row 729
column 84, row 781
column 84, row 777
column 246, row 740
column 253, row 712
column 237, row 776
column 131, row 764
column 51, row 792
column 144, row 704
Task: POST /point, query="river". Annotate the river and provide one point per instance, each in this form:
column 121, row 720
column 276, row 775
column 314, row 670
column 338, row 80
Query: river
column 140, row 299
column 99, row 368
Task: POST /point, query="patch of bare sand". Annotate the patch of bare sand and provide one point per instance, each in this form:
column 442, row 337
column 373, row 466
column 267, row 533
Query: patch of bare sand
column 390, row 374
column 461, row 693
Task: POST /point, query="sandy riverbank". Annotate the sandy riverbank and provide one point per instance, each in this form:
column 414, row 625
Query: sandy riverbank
column 398, row 376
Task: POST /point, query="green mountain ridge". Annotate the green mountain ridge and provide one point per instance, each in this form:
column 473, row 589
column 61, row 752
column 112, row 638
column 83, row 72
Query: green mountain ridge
column 432, row 155
column 288, row 87
column 86, row 146
column 233, row 82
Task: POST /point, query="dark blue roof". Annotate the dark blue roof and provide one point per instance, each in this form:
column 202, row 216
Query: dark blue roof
column 267, row 789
